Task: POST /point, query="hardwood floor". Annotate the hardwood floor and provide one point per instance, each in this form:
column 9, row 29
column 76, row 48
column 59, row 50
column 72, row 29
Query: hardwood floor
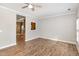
column 41, row 47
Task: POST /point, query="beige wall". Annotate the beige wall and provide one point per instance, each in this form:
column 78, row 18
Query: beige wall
column 61, row 27
column 32, row 34
column 8, row 27
column 78, row 13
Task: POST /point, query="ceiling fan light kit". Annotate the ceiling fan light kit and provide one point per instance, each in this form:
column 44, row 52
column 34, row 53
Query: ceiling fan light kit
column 30, row 6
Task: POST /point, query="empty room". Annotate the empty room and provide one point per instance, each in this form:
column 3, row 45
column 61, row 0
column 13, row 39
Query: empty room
column 39, row 29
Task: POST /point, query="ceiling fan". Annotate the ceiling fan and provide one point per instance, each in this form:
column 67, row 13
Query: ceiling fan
column 31, row 6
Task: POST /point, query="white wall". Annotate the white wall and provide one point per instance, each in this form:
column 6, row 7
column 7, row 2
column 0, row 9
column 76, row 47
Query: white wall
column 77, row 28
column 78, row 13
column 32, row 34
column 8, row 27
column 62, row 27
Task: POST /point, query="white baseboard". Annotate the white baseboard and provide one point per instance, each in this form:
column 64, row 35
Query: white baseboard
column 31, row 39
column 36, row 38
column 7, row 46
column 59, row 40
column 14, row 44
column 53, row 40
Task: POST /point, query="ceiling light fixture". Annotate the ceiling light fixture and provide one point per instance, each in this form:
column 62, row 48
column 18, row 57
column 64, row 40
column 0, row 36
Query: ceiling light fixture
column 30, row 6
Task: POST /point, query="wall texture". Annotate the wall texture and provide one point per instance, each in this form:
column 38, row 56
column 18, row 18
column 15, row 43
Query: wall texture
column 59, row 28
column 32, row 34
column 8, row 27
column 78, row 12
column 77, row 26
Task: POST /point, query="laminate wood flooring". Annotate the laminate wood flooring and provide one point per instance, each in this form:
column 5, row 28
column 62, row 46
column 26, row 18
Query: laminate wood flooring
column 41, row 47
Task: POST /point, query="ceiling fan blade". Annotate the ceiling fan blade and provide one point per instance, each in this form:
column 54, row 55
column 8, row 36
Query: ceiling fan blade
column 24, row 7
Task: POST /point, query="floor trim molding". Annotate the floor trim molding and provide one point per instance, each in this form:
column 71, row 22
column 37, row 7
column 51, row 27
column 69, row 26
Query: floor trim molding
column 36, row 38
column 59, row 40
column 14, row 44
column 7, row 46
column 31, row 39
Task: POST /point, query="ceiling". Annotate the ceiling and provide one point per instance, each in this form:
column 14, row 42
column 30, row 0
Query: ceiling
column 47, row 8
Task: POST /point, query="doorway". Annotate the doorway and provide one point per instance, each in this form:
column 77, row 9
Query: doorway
column 20, row 31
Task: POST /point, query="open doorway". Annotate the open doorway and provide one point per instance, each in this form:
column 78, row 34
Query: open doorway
column 20, row 31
